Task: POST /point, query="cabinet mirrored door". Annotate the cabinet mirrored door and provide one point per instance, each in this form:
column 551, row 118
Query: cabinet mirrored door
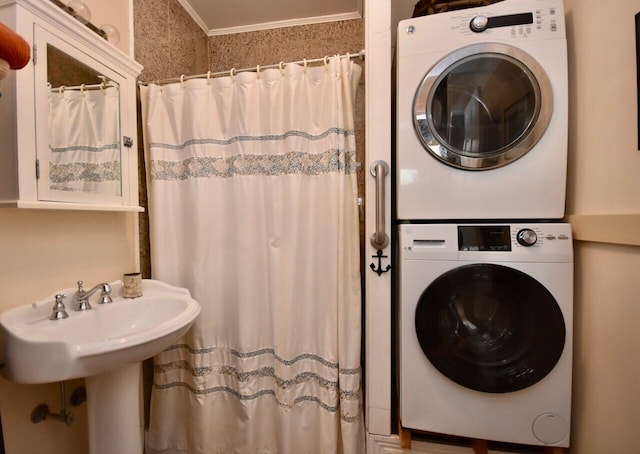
column 78, row 125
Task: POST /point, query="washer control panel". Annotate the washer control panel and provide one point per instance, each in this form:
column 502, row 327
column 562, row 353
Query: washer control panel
column 527, row 242
column 507, row 237
column 526, row 237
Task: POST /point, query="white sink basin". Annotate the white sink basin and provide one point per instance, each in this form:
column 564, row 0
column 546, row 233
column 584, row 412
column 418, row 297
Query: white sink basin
column 39, row 350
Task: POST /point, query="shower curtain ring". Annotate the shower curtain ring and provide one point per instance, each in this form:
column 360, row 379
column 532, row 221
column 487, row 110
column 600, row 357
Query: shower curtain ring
column 304, row 62
column 232, row 73
column 61, row 89
column 182, row 80
column 82, row 88
column 326, row 61
column 208, row 77
column 281, row 66
column 258, row 71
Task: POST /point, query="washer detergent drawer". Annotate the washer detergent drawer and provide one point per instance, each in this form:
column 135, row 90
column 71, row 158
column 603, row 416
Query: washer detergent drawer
column 438, row 242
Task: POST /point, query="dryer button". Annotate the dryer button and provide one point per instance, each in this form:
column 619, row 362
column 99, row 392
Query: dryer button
column 479, row 23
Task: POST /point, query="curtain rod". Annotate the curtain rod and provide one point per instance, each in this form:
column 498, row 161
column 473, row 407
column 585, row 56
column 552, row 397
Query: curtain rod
column 258, row 68
column 84, row 87
column 101, row 86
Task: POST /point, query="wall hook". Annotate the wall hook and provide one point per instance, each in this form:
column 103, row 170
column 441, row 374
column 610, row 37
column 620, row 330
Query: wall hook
column 379, row 270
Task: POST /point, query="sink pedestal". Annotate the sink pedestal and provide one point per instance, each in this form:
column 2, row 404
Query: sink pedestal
column 114, row 411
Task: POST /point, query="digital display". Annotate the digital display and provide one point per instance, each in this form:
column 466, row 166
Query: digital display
column 484, row 238
column 513, row 19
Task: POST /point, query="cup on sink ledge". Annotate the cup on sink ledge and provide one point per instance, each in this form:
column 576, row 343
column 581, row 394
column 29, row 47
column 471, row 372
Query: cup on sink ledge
column 132, row 285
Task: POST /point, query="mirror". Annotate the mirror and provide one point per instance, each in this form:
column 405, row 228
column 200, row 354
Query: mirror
column 84, row 149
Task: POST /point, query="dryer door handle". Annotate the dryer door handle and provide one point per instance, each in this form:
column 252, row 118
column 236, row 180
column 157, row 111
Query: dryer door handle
column 380, row 169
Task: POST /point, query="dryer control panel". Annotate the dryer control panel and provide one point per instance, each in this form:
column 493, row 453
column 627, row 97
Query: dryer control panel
column 481, row 22
column 517, row 21
column 515, row 25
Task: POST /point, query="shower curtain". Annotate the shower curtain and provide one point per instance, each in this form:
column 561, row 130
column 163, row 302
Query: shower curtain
column 252, row 205
column 84, row 145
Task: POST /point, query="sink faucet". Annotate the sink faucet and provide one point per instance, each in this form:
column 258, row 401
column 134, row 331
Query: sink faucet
column 81, row 297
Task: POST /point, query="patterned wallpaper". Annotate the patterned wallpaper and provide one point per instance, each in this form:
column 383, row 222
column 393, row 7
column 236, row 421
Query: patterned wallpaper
column 167, row 42
column 285, row 44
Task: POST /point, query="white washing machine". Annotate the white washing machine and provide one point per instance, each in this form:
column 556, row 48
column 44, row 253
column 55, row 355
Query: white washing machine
column 485, row 331
column 481, row 114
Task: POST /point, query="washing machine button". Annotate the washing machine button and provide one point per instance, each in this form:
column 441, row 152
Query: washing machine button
column 479, row 24
column 527, row 237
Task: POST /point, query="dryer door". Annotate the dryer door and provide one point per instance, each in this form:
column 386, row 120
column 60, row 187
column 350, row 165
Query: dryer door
column 483, row 106
column 490, row 328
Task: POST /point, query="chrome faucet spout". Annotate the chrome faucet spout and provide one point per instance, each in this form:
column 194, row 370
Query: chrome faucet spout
column 82, row 296
column 105, row 293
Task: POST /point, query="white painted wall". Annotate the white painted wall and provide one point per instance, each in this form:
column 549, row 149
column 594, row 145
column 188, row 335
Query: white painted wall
column 378, row 148
column 604, row 159
column 117, row 13
column 43, row 251
column 604, row 163
column 606, row 403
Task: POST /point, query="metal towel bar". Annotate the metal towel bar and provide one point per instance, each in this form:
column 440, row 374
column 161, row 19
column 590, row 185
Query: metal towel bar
column 380, row 240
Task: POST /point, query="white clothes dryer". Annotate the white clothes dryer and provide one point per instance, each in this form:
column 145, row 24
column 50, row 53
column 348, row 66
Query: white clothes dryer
column 485, row 331
column 481, row 112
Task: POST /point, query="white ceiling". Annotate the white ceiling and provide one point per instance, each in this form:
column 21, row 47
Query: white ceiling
column 220, row 17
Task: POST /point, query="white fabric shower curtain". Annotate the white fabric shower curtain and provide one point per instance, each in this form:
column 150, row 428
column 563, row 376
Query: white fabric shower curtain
column 84, row 145
column 253, row 207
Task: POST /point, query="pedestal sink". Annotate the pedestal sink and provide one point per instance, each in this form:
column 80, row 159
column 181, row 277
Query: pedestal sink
column 106, row 345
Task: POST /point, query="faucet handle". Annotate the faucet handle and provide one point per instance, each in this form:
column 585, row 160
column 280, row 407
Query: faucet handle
column 82, row 299
column 59, row 303
column 59, row 311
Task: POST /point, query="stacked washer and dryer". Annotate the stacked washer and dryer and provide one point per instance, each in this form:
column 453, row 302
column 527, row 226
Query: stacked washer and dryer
column 485, row 268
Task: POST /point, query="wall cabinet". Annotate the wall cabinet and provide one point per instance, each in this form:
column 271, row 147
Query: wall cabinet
column 68, row 129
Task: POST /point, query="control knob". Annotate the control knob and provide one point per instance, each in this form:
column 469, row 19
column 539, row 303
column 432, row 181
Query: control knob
column 479, row 24
column 527, row 237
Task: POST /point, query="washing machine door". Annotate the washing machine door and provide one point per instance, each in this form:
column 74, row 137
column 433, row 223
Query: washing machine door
column 483, row 106
column 490, row 328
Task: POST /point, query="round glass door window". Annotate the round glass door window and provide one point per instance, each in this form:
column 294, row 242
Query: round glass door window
column 483, row 106
column 490, row 328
